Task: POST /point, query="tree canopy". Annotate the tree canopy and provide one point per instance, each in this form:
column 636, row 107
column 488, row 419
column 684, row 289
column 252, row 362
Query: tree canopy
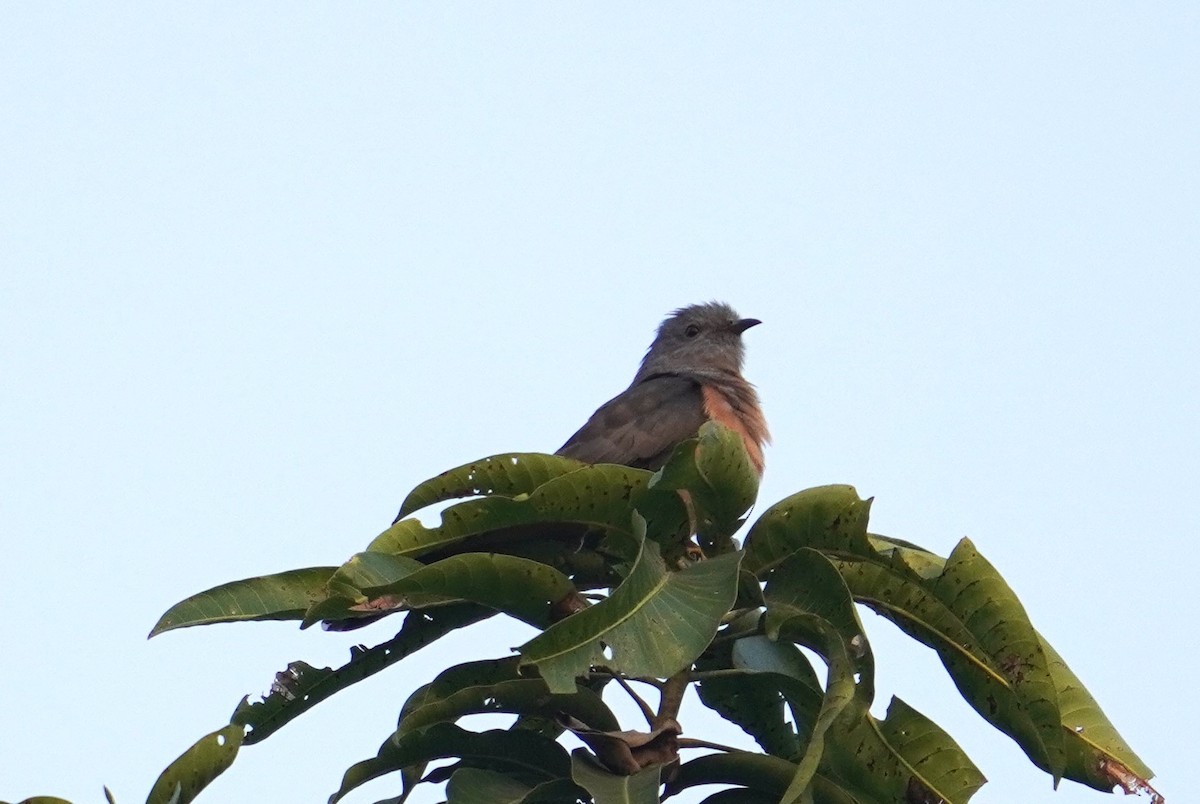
column 635, row 578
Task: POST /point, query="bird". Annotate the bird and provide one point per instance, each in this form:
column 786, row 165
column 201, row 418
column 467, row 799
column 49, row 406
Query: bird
column 691, row 374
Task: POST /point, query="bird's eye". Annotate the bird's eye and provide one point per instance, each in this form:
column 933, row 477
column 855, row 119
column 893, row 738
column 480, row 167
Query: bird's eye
column 692, row 330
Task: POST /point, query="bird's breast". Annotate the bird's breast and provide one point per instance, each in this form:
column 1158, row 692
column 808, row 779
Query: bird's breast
column 738, row 410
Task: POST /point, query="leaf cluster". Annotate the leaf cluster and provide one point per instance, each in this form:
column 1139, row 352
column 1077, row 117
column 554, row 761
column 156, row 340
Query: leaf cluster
column 635, row 580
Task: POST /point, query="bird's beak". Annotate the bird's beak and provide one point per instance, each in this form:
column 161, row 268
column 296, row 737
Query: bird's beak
column 744, row 324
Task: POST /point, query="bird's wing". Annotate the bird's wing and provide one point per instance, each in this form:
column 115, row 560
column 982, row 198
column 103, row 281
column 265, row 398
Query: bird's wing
column 641, row 425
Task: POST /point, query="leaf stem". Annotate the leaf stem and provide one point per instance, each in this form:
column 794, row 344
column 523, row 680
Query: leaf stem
column 672, row 698
column 647, row 712
column 688, row 742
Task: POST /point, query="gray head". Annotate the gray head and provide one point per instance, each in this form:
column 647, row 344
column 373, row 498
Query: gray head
column 702, row 338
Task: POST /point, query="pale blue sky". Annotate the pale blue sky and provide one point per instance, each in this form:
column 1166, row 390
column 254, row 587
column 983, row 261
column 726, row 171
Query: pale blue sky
column 265, row 267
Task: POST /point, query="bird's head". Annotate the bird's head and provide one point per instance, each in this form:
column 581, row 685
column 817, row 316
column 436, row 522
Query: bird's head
column 699, row 338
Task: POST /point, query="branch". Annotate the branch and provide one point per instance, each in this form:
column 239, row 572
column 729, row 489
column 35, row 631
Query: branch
column 672, row 698
column 647, row 712
column 688, row 742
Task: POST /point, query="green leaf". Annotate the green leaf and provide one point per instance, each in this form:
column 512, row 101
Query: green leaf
column 475, row 786
column 903, row 587
column 1091, row 740
column 599, row 497
column 494, row 686
column 773, row 674
column 654, row 624
column 715, row 470
column 207, row 759
column 283, row 596
column 898, row 759
column 508, row 475
column 969, row 615
column 610, row 788
column 303, row 686
column 934, row 757
column 344, row 599
column 760, row 773
column 831, row 519
column 522, row 755
column 516, row 586
column 961, row 607
column 369, row 571
column 972, row 589
column 739, row 795
column 807, row 601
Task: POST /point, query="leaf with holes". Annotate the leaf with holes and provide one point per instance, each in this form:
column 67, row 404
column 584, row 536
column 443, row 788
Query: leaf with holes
column 596, row 498
column 302, row 686
column 508, row 475
column 715, row 471
column 208, row 758
column 831, row 519
column 519, row 587
column 283, row 596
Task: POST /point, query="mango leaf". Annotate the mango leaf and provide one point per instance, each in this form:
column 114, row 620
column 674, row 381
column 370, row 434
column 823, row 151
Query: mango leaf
column 715, row 470
column 1095, row 751
column 521, row 755
column 989, row 636
column 508, row 475
column 283, row 596
column 516, row 586
column 611, row 788
column 599, row 497
column 495, row 686
column 903, row 757
column 475, row 786
column 759, row 773
column 302, row 686
column 934, row 757
column 654, row 624
column 739, row 795
column 1093, row 746
column 807, row 601
column 831, row 519
column 368, row 571
column 773, row 674
column 757, row 776
column 981, row 632
column 207, row 759
column 972, row 589
column 344, row 603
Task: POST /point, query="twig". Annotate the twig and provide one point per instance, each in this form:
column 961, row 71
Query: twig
column 672, row 698
column 604, row 671
column 647, row 712
column 688, row 742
